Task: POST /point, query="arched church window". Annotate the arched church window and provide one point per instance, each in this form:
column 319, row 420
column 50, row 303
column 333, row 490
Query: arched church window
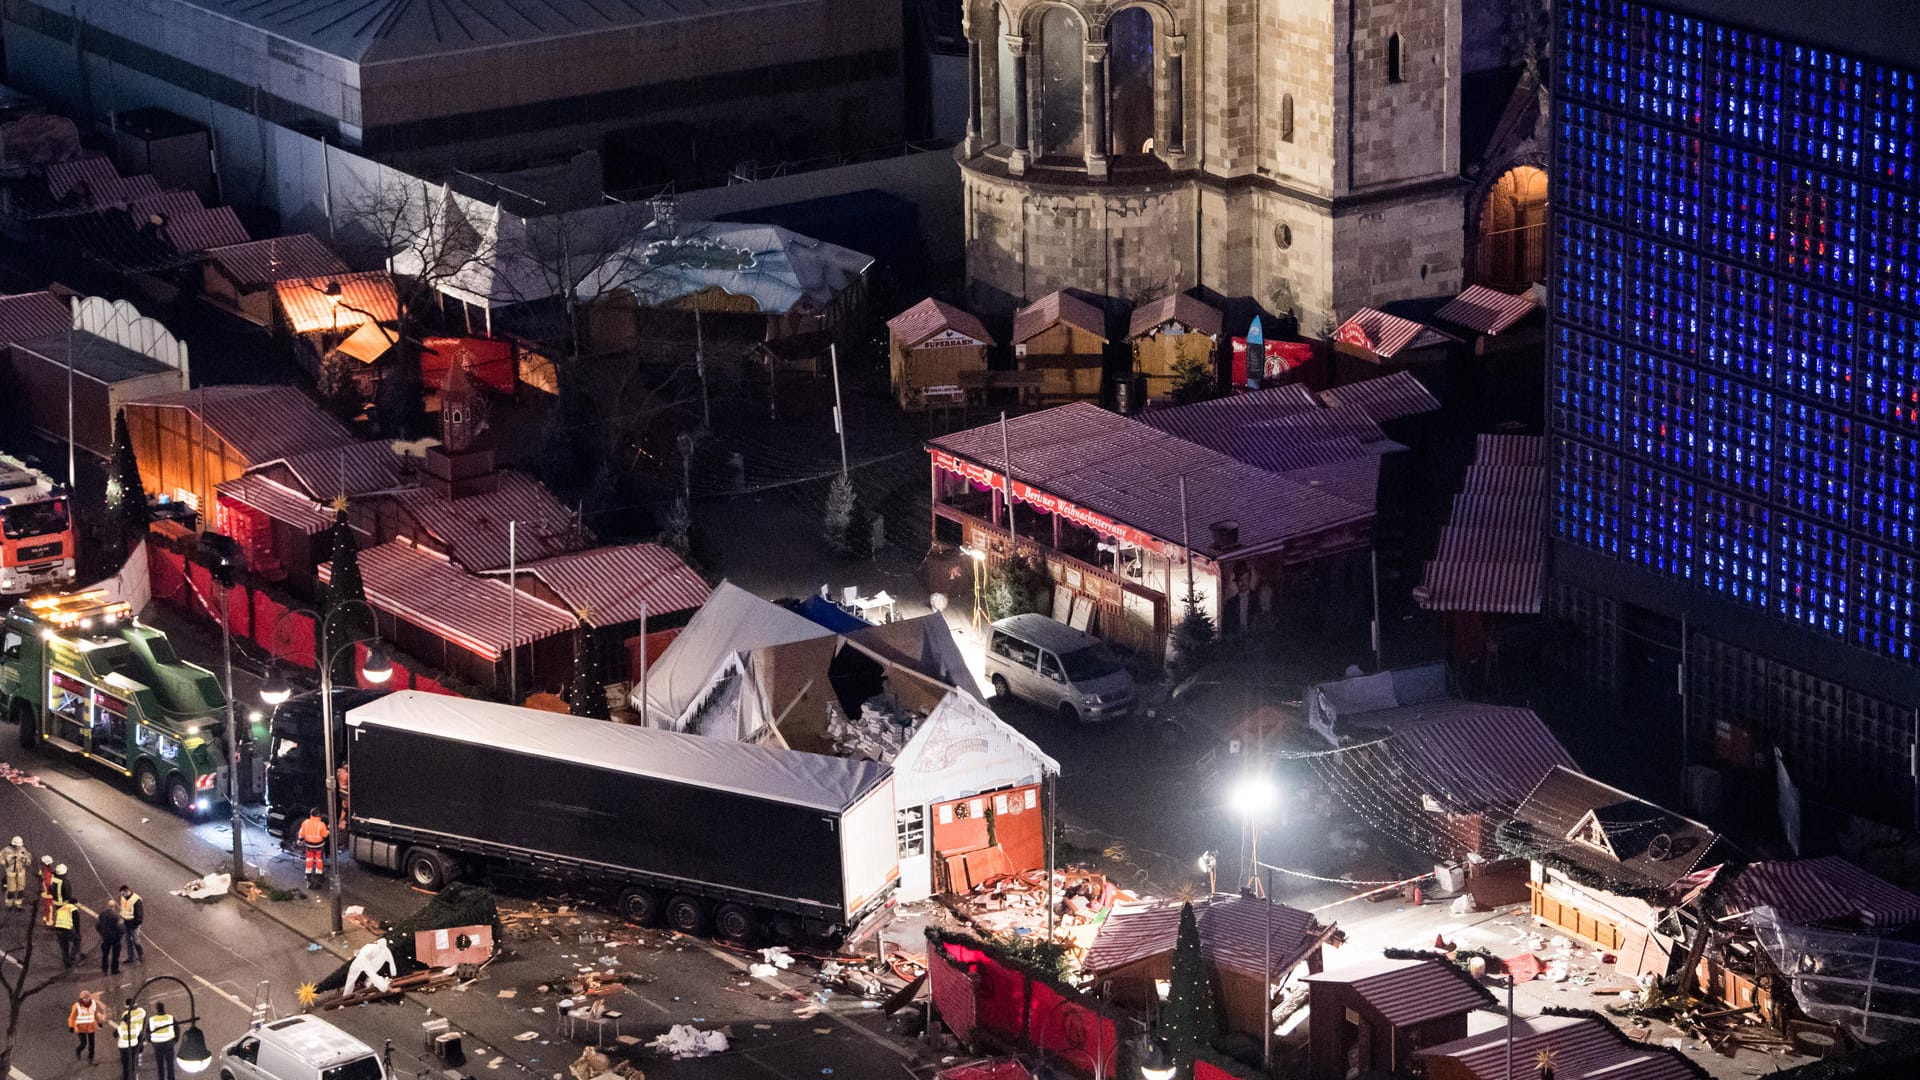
column 1395, row 73
column 1130, row 109
column 1286, row 117
column 1062, row 60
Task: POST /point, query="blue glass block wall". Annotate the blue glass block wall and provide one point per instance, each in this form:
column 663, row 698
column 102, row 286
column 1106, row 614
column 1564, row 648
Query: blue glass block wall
column 1735, row 381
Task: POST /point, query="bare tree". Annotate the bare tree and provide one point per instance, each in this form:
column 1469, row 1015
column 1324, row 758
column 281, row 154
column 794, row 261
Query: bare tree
column 17, row 939
column 429, row 238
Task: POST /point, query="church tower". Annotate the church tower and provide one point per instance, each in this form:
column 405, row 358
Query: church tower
column 1302, row 152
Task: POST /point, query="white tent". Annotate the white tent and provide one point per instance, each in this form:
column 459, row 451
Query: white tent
column 927, row 644
column 730, row 625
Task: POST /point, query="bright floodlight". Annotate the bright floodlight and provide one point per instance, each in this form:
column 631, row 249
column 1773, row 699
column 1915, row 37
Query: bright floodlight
column 275, row 689
column 379, row 665
column 1254, row 795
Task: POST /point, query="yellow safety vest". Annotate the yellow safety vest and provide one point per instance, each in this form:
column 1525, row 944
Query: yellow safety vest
column 160, row 1028
column 127, row 905
column 127, row 1031
column 63, row 917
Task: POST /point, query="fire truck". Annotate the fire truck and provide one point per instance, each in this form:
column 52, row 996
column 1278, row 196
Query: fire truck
column 36, row 529
column 81, row 676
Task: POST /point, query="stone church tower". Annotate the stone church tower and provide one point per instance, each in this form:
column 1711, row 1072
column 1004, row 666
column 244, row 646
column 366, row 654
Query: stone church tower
column 1305, row 153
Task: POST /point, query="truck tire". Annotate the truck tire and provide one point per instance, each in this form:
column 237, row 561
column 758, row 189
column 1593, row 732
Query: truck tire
column 688, row 915
column 639, row 905
column 736, row 924
column 179, row 796
column 429, row 868
column 147, row 782
column 22, row 716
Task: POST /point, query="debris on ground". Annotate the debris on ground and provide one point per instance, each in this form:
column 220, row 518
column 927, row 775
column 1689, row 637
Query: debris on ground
column 248, row 891
column 687, row 1041
column 211, row 887
column 777, row 956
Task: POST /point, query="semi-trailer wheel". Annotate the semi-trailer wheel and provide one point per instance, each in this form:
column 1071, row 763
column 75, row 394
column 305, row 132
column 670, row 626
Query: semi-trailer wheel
column 639, row 905
column 736, row 924
column 688, row 915
column 429, row 868
column 147, row 782
column 179, row 796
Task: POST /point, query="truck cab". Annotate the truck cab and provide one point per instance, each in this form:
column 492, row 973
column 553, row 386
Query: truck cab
column 80, row 676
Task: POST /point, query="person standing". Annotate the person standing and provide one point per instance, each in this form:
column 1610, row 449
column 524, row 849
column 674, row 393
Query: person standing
column 18, row 862
column 111, row 929
column 160, row 1035
column 46, row 890
column 133, row 912
column 313, row 837
column 127, row 1035
column 83, row 1020
column 63, row 930
column 55, row 888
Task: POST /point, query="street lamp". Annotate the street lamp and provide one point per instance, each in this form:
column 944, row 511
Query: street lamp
column 1254, row 797
column 1156, row 1061
column 192, row 1055
column 275, row 690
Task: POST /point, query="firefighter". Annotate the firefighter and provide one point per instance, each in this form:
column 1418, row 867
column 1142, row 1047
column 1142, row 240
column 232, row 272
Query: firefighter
column 53, row 886
column 127, row 1035
column 313, row 837
column 17, row 861
column 46, row 889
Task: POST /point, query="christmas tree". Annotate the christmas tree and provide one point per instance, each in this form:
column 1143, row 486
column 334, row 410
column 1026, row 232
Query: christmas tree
column 1190, row 1021
column 587, row 696
column 345, row 588
column 126, row 497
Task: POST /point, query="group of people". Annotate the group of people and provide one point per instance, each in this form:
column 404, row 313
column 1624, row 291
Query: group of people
column 134, row 1029
column 117, row 923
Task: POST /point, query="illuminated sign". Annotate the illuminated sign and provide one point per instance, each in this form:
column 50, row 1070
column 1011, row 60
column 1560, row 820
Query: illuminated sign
column 1052, row 504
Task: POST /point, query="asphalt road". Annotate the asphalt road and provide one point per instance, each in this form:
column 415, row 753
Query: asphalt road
column 226, row 949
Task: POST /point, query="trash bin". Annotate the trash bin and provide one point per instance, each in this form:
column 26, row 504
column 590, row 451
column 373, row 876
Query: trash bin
column 1447, row 877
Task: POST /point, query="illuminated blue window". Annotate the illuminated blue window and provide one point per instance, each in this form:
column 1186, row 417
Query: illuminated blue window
column 1892, row 243
column 1741, row 192
column 1586, row 496
column 1816, row 357
column 1887, row 492
column 1738, row 321
column 1821, row 114
column 1889, row 384
column 1662, row 295
column 1811, row 584
column 1657, row 410
column 1742, row 87
column 1736, row 435
column 1888, row 137
column 1736, row 548
column 1822, row 236
column 1658, row 511
column 1814, row 463
column 1586, row 386
column 1884, row 604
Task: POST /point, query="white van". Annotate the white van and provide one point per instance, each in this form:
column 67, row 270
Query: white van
column 1057, row 667
column 300, row 1048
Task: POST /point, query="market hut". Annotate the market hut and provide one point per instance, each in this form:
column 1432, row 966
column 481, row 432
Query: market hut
column 1063, row 338
column 1388, row 342
column 934, row 348
column 1168, row 331
column 239, row 278
column 1376, row 1014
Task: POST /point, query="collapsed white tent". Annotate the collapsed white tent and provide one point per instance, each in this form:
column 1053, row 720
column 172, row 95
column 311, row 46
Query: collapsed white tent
column 721, row 635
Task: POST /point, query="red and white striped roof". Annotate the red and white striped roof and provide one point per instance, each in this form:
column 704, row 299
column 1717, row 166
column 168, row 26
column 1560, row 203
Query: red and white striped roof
column 1232, row 934
column 1583, row 1048
column 96, row 172
column 613, row 585
column 260, row 423
column 202, row 229
column 1487, row 757
column 309, row 308
column 1487, row 311
column 259, row 263
column 167, row 204
column 475, row 527
column 1492, row 553
column 279, row 502
column 929, row 317
column 423, row 588
column 1406, row 992
column 32, row 316
column 1827, row 891
column 1388, row 397
column 353, row 469
column 123, row 190
column 1386, row 336
column 1179, row 309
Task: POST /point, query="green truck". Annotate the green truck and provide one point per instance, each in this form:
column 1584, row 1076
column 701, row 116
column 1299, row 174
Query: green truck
column 80, row 675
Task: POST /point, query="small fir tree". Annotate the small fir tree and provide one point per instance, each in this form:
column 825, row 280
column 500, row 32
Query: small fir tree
column 1016, row 586
column 126, row 497
column 1194, row 380
column 345, row 588
column 1194, row 640
column 588, row 696
column 1191, row 1023
column 840, row 516
column 677, row 533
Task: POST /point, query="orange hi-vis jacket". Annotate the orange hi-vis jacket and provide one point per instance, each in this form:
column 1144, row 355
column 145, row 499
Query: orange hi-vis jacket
column 313, row 832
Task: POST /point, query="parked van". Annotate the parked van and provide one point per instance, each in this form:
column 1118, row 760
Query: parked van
column 1057, row 667
column 300, row 1048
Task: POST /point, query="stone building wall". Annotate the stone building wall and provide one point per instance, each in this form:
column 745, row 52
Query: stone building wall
column 1392, row 250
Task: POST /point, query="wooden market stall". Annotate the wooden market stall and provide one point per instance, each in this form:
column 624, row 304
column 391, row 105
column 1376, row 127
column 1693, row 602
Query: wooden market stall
column 1168, row 331
column 933, row 348
column 1064, row 338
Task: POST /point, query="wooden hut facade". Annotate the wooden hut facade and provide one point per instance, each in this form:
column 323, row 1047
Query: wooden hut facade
column 1064, row 339
column 1168, row 331
column 938, row 354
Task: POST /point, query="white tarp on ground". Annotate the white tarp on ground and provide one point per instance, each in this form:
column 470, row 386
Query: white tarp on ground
column 1868, row 985
column 812, row 780
column 781, row 270
column 961, row 749
column 731, row 623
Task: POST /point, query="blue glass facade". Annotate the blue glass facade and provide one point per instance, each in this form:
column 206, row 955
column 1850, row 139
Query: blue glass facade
column 1735, row 385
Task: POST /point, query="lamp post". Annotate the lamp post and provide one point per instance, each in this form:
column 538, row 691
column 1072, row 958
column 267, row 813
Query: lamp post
column 1156, row 1061
column 1254, row 798
column 276, row 690
column 192, row 1056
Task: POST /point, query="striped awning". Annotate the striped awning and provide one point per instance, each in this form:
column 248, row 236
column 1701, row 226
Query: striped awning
column 613, row 585
column 1232, row 934
column 479, row 614
column 95, row 172
column 1825, row 891
column 1486, row 311
column 1389, row 397
column 1491, row 557
column 1386, row 336
column 259, row 263
column 1587, row 1047
column 200, row 230
column 1408, row 992
column 279, row 502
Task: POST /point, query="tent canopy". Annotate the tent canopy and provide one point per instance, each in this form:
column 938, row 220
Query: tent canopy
column 733, row 621
column 962, row 748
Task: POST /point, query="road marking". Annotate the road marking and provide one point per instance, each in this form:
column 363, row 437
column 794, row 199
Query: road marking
column 18, row 1075
column 241, row 1005
column 871, row 1036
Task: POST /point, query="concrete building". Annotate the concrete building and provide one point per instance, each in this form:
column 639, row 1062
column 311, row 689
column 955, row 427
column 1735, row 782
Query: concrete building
column 1735, row 357
column 666, row 91
column 1305, row 153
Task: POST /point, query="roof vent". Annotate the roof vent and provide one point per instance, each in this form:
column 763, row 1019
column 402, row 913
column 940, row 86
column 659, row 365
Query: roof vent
column 1226, row 535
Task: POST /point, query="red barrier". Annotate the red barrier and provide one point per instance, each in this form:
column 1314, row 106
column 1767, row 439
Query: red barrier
column 168, row 573
column 428, row 686
column 240, row 610
column 1207, row 1070
column 974, row 991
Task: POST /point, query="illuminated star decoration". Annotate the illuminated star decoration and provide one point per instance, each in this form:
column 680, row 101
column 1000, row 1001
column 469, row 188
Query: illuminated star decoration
column 1544, row 1062
column 308, row 994
column 340, row 503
